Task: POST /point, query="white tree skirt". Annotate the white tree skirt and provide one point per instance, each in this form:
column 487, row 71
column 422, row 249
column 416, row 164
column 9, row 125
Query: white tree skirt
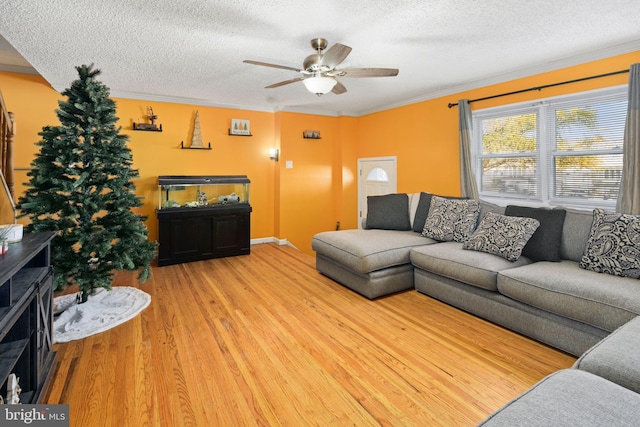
column 102, row 311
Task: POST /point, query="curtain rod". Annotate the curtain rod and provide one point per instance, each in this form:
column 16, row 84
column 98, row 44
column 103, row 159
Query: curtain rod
column 545, row 86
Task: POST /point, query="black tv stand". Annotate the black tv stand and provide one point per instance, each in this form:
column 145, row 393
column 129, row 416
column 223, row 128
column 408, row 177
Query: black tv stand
column 26, row 316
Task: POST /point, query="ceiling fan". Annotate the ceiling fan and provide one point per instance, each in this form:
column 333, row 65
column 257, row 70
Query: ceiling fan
column 319, row 70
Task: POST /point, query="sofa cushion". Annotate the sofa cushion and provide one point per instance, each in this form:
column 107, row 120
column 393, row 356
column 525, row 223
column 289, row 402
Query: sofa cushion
column 373, row 284
column 614, row 244
column 502, row 235
column 489, row 207
column 616, row 357
column 544, row 245
column 570, row 398
column 448, row 259
column 422, row 211
column 388, row 212
column 451, row 219
column 364, row 251
column 600, row 300
column 575, row 234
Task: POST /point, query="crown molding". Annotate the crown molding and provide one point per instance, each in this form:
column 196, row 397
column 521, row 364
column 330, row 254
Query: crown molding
column 207, row 103
column 18, row 69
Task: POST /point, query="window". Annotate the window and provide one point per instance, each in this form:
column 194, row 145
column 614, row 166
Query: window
column 565, row 150
column 377, row 174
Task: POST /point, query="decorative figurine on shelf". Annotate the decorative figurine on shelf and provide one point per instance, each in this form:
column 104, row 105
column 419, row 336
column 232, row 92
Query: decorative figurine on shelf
column 202, row 198
column 146, row 126
column 152, row 117
column 196, row 139
column 13, row 390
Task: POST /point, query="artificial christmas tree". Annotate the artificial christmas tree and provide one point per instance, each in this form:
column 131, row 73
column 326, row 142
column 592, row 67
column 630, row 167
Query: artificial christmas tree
column 81, row 185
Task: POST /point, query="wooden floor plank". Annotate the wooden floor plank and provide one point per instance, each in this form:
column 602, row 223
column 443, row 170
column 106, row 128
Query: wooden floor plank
column 266, row 340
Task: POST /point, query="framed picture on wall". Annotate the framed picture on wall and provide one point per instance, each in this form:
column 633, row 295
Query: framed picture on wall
column 240, row 127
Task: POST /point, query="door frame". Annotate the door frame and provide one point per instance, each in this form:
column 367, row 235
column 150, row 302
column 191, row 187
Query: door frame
column 394, row 159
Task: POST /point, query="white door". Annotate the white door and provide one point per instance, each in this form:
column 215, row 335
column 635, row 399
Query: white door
column 376, row 176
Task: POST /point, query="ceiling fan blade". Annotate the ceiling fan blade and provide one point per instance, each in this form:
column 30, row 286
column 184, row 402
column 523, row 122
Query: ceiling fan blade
column 266, row 64
column 286, row 82
column 335, row 55
column 367, row 72
column 339, row 89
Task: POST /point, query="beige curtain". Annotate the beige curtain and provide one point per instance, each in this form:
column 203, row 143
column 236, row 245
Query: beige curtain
column 629, row 195
column 468, row 186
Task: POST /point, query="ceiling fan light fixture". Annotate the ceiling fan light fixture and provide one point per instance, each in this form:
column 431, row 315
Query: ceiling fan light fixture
column 319, row 85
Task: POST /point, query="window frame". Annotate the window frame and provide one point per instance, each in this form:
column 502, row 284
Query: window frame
column 545, row 144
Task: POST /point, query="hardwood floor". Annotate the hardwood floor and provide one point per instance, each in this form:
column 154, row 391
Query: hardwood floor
column 264, row 339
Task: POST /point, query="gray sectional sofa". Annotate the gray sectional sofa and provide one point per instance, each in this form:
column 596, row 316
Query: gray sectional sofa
column 556, row 302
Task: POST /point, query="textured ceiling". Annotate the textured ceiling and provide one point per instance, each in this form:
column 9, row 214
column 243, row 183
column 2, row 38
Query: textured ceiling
column 192, row 50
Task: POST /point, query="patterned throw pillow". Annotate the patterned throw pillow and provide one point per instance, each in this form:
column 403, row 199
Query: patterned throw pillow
column 502, row 235
column 422, row 211
column 451, row 219
column 614, row 244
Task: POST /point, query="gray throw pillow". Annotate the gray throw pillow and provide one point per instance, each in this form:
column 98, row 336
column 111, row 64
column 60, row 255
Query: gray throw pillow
column 544, row 245
column 614, row 244
column 502, row 235
column 451, row 219
column 422, row 211
column 388, row 212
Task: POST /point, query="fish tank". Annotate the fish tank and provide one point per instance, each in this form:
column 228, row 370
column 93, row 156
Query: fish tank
column 197, row 192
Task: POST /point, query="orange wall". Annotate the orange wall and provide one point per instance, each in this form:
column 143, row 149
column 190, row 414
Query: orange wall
column 321, row 188
column 33, row 102
column 156, row 153
column 424, row 139
column 345, row 173
column 424, row 136
column 310, row 191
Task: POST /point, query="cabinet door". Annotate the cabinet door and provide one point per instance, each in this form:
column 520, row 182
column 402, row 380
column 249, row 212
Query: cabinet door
column 44, row 349
column 232, row 232
column 185, row 237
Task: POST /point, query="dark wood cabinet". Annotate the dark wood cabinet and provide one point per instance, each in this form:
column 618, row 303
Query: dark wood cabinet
column 193, row 234
column 26, row 316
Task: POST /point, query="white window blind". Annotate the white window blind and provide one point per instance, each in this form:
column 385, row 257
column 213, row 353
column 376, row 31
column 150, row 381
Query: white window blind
column 510, row 155
column 564, row 150
column 585, row 156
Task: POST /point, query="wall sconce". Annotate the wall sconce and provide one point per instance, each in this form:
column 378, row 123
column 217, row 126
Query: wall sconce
column 274, row 154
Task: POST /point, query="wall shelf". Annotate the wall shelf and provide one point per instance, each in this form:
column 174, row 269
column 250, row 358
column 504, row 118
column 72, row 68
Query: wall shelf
column 143, row 128
column 194, row 148
column 236, row 134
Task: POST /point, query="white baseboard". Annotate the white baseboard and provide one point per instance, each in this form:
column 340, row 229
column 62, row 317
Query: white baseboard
column 280, row 242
